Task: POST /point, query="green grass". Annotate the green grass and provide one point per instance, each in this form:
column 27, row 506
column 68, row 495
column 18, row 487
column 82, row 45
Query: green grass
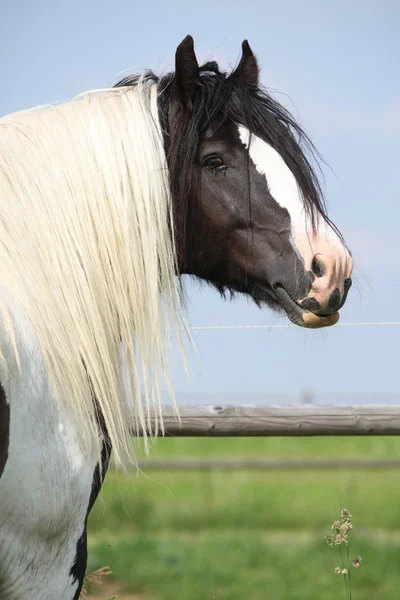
column 279, row 447
column 248, row 500
column 189, row 535
column 237, row 565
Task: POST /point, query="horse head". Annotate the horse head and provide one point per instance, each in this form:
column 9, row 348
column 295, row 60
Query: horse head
column 249, row 213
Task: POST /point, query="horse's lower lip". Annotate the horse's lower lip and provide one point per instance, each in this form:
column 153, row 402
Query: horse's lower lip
column 298, row 315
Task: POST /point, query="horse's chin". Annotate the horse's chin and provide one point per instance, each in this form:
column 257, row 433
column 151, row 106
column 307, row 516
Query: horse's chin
column 278, row 299
column 301, row 317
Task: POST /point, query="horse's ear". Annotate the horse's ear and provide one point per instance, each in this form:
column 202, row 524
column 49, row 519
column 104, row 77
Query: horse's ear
column 186, row 72
column 247, row 70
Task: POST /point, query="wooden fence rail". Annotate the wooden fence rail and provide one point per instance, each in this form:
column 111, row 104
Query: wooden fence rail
column 283, row 420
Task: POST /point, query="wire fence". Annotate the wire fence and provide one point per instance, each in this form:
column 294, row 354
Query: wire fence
column 291, row 326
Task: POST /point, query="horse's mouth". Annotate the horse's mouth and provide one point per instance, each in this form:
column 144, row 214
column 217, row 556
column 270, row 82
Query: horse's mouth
column 300, row 316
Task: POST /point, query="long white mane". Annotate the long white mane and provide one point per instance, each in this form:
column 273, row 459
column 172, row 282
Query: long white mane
column 87, row 252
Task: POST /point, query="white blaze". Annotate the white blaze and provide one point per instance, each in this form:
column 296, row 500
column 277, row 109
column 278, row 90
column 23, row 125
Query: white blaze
column 325, row 244
column 281, row 181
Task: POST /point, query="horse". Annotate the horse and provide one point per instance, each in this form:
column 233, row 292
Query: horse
column 106, row 202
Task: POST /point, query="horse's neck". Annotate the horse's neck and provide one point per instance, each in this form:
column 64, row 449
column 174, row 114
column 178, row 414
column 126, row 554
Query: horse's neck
column 46, row 483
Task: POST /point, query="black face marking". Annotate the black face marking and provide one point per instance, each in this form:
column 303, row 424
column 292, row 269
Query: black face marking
column 4, row 429
column 347, row 285
column 334, row 299
column 311, row 304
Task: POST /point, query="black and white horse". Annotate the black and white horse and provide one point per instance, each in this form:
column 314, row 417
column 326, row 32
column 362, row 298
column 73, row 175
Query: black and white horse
column 104, row 202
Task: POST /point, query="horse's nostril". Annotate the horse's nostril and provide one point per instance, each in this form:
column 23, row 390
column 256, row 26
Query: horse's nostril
column 318, row 267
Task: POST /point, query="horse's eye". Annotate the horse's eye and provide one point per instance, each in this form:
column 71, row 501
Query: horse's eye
column 214, row 162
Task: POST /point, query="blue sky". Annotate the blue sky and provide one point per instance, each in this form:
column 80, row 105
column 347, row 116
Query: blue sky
column 335, row 65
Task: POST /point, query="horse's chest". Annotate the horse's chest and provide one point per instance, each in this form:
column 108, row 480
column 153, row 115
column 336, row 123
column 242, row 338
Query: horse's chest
column 44, row 495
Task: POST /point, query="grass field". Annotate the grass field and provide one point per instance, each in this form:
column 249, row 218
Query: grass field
column 235, row 535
